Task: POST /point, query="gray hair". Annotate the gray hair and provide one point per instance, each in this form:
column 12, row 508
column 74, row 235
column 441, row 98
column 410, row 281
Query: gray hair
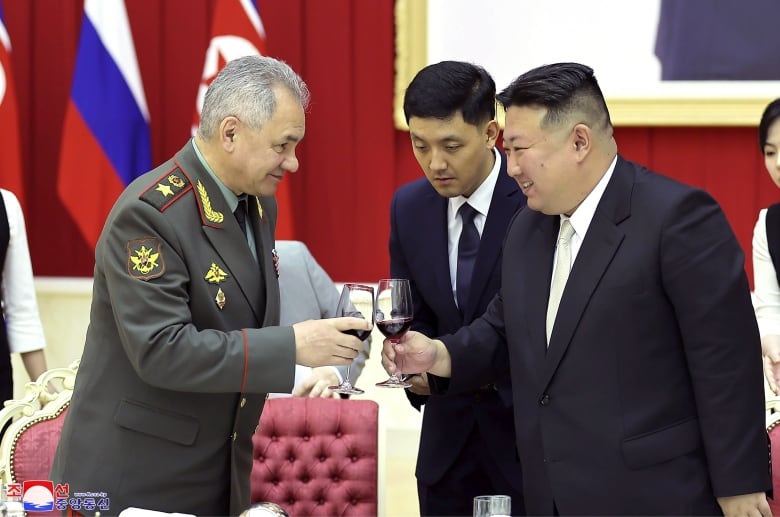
column 244, row 89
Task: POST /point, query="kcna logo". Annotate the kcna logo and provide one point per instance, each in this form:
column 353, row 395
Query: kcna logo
column 38, row 495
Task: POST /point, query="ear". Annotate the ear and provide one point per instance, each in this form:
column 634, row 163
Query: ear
column 228, row 129
column 581, row 141
column 491, row 134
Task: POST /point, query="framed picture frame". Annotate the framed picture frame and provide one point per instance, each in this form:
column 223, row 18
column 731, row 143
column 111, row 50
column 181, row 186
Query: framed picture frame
column 616, row 38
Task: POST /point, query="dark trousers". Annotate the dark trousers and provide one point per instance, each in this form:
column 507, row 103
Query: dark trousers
column 473, row 473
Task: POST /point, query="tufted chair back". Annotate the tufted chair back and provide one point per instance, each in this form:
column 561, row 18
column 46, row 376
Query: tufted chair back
column 33, row 424
column 317, row 457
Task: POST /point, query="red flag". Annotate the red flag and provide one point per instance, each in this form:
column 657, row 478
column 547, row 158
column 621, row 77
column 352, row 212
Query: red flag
column 237, row 31
column 11, row 173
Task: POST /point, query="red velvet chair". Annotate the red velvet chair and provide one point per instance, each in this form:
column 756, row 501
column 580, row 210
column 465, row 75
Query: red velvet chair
column 317, row 457
column 34, row 426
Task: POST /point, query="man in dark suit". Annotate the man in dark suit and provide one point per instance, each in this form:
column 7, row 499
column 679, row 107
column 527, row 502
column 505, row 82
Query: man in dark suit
column 649, row 398
column 467, row 440
column 183, row 342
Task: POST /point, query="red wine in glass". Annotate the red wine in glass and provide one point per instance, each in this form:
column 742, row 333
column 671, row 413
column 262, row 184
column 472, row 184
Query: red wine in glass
column 356, row 300
column 393, row 318
column 360, row 334
column 394, row 329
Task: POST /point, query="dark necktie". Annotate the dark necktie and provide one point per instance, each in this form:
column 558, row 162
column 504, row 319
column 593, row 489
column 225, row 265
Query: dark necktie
column 240, row 214
column 468, row 247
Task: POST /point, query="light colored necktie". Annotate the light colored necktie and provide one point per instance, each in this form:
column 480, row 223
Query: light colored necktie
column 561, row 275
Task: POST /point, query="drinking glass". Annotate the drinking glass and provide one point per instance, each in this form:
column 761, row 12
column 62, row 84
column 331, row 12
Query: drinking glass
column 394, row 314
column 492, row 506
column 356, row 300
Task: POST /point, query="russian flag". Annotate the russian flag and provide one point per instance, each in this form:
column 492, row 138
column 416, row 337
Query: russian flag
column 237, row 31
column 105, row 142
column 11, row 173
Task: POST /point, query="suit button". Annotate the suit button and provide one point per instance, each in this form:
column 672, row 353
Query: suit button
column 243, row 401
column 545, row 400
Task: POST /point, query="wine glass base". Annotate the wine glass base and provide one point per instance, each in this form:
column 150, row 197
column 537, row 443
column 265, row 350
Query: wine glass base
column 346, row 389
column 394, row 383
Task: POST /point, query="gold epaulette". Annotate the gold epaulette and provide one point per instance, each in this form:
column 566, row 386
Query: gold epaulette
column 164, row 191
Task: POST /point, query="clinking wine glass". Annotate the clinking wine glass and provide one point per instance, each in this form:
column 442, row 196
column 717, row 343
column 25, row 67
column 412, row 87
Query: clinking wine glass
column 394, row 314
column 356, row 300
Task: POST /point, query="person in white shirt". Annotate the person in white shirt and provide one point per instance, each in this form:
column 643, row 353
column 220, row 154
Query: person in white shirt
column 307, row 292
column 766, row 251
column 22, row 332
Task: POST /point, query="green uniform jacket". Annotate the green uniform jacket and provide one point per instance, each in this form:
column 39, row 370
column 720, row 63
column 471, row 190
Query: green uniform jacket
column 180, row 352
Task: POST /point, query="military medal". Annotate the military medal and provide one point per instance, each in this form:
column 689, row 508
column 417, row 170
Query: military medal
column 215, row 275
column 220, row 298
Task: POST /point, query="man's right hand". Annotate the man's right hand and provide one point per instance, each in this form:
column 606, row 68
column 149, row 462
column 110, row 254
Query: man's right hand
column 324, row 343
column 416, row 353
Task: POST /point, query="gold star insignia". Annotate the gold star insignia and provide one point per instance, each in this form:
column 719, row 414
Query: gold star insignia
column 165, row 190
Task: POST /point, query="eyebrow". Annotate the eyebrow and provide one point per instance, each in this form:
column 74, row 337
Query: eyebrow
column 291, row 138
column 447, row 138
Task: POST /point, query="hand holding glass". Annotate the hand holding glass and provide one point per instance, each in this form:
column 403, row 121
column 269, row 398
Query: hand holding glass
column 394, row 317
column 357, row 301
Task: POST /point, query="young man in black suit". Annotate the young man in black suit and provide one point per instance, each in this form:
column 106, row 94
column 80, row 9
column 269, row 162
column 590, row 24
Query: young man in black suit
column 467, row 441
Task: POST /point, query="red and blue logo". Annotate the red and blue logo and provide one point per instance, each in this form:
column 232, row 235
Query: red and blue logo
column 38, row 495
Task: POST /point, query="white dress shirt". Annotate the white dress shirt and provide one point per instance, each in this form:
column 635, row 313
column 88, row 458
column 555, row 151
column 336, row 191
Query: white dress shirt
column 583, row 215
column 19, row 304
column 766, row 292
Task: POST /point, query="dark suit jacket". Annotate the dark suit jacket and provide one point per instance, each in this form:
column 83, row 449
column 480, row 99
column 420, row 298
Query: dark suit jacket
column 171, row 385
column 650, row 397
column 418, row 251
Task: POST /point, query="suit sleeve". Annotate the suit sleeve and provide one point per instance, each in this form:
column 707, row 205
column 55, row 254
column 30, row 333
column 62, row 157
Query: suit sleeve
column 478, row 352
column 704, row 278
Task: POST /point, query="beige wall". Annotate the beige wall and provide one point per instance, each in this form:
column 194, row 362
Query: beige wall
column 64, row 307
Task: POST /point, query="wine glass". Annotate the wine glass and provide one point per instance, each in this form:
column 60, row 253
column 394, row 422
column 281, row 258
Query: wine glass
column 394, row 314
column 356, row 300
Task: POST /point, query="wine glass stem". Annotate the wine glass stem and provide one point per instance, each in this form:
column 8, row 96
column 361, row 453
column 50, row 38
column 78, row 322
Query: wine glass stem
column 346, row 379
column 398, row 375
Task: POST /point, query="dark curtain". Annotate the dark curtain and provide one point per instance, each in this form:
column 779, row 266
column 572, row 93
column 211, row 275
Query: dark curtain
column 352, row 157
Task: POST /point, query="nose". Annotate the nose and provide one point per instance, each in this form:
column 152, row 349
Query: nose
column 438, row 163
column 512, row 167
column 290, row 163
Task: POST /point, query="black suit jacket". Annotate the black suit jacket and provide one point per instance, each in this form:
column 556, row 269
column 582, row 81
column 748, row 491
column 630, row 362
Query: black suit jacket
column 649, row 400
column 418, row 251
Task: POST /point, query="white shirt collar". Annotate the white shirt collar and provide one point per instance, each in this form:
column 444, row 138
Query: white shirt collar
column 582, row 217
column 480, row 198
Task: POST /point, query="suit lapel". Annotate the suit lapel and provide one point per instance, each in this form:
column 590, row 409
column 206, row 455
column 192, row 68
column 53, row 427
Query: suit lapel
column 598, row 248
column 504, row 203
column 264, row 239
column 221, row 228
column 539, row 266
column 434, row 223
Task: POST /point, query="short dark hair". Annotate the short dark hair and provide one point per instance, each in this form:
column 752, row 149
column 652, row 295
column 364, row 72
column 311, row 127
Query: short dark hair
column 562, row 88
column 442, row 89
column 771, row 113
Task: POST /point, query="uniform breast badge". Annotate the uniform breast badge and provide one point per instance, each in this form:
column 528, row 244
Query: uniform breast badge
column 215, row 275
column 275, row 261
